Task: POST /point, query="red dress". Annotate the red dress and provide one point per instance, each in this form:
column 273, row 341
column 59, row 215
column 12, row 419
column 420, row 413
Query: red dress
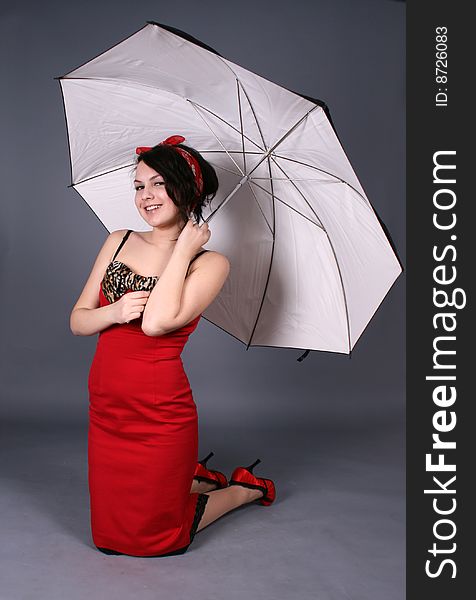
column 142, row 435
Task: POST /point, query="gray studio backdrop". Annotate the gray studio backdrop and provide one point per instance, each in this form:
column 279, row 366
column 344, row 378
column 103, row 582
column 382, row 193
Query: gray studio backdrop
column 348, row 53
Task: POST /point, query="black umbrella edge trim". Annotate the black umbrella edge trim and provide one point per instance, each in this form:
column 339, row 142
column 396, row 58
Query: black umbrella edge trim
column 267, row 345
column 185, row 36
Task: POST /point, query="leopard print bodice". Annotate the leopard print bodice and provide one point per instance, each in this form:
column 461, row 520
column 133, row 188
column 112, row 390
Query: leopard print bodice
column 119, row 278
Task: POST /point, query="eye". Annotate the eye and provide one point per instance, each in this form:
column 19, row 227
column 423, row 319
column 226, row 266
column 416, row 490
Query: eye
column 139, row 187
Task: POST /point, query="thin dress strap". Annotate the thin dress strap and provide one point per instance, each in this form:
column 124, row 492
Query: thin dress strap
column 197, row 255
column 124, row 239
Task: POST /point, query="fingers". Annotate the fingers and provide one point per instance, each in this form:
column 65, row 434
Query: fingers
column 133, row 316
column 139, row 294
column 194, row 223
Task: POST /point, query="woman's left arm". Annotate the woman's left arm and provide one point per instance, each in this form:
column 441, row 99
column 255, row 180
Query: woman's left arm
column 176, row 300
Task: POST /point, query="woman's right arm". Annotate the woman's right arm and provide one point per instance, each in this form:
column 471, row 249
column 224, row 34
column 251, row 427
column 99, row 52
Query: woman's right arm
column 87, row 317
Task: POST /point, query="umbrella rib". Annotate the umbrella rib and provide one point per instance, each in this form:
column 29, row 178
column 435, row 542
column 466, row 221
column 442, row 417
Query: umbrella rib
column 343, row 292
column 289, row 206
column 231, row 151
column 292, row 128
column 265, row 156
column 238, row 86
column 225, row 169
column 270, row 150
column 217, row 138
column 299, row 191
column 133, row 164
column 202, row 152
column 270, row 261
column 254, row 114
column 259, row 206
column 195, row 104
column 241, row 125
column 249, row 102
column 232, row 193
column 225, row 62
column 323, row 171
column 192, row 102
column 335, row 258
column 102, row 174
column 246, row 177
column 294, row 179
column 225, row 200
column 124, row 82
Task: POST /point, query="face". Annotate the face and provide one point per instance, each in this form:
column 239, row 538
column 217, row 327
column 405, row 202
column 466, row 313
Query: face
column 150, row 191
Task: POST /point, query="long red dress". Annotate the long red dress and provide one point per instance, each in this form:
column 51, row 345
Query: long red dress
column 142, row 435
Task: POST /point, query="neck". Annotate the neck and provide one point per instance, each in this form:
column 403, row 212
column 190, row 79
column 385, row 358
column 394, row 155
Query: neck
column 165, row 236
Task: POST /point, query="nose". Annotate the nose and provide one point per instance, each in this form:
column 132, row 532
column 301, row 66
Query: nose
column 146, row 193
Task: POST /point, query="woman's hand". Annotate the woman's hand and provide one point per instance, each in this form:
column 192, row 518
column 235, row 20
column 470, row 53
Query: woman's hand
column 130, row 306
column 192, row 237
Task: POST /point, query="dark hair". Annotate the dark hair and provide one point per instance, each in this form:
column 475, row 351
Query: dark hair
column 179, row 179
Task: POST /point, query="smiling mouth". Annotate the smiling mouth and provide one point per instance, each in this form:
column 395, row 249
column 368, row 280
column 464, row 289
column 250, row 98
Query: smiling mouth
column 152, row 207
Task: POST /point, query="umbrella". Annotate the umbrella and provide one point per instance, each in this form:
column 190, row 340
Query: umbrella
column 310, row 260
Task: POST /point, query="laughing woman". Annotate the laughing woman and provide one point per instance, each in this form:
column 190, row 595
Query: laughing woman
column 144, row 297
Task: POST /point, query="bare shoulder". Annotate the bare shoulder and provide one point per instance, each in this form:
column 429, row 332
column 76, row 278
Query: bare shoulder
column 211, row 262
column 118, row 234
column 218, row 259
column 216, row 255
column 113, row 240
column 109, row 246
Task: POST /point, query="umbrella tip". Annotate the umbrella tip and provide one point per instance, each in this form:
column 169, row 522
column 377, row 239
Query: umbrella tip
column 303, row 356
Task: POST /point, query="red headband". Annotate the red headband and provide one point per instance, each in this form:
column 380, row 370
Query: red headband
column 173, row 140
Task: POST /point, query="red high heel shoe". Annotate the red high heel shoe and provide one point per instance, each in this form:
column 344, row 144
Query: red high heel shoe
column 210, row 476
column 244, row 476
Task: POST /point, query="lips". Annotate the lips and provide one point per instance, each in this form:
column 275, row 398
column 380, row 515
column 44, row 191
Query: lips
column 152, row 207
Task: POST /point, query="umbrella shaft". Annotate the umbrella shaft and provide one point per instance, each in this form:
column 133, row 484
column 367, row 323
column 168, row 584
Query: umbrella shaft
column 231, row 194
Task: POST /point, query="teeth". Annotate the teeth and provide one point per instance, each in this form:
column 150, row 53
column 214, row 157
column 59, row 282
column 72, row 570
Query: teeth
column 154, row 206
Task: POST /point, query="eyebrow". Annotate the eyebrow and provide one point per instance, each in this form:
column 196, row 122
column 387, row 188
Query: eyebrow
column 150, row 178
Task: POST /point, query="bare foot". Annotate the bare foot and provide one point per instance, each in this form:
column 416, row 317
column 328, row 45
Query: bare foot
column 204, row 486
column 251, row 494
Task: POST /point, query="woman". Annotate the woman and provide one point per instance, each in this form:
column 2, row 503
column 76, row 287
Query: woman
column 148, row 495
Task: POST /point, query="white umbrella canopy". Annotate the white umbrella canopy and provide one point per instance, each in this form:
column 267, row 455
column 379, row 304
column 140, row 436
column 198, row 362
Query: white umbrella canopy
column 310, row 261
